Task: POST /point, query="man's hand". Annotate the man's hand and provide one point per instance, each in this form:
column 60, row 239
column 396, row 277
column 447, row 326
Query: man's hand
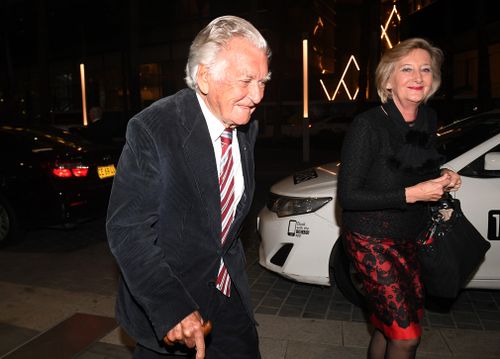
column 191, row 332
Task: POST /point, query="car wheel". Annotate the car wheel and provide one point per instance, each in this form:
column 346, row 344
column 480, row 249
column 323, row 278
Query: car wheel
column 8, row 222
column 344, row 275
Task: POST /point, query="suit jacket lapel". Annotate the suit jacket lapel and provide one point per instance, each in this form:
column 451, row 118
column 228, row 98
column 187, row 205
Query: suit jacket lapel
column 200, row 158
column 243, row 204
column 245, row 163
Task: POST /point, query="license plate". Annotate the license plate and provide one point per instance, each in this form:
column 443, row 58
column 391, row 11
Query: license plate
column 106, row 171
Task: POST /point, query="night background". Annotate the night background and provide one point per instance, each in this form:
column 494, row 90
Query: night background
column 58, row 278
column 134, row 53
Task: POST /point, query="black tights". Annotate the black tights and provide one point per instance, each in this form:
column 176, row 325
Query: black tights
column 383, row 348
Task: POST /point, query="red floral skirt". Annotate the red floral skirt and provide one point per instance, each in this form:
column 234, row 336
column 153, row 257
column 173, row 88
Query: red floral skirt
column 390, row 273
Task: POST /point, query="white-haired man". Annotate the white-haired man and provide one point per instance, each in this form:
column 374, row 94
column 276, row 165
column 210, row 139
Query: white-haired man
column 180, row 195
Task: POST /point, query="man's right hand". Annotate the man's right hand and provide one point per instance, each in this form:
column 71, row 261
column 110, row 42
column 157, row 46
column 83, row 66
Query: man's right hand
column 191, row 332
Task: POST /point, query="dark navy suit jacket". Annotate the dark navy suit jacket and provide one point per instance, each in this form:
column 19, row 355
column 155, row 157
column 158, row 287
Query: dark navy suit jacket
column 164, row 218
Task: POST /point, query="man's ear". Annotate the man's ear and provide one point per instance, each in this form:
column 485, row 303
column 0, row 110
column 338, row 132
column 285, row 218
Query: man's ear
column 202, row 79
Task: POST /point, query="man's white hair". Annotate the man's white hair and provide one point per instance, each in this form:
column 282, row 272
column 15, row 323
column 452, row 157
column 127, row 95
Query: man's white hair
column 213, row 38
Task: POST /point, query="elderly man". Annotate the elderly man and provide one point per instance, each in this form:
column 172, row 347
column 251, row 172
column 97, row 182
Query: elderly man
column 183, row 187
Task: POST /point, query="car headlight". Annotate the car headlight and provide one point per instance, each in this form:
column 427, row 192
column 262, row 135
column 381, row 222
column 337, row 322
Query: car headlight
column 289, row 206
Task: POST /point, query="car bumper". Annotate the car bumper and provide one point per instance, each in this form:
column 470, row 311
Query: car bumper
column 297, row 247
column 63, row 205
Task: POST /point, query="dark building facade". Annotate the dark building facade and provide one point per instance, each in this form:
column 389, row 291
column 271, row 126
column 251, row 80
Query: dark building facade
column 134, row 52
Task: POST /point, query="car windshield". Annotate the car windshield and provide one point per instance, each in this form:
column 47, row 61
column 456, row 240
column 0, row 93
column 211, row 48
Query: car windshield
column 463, row 135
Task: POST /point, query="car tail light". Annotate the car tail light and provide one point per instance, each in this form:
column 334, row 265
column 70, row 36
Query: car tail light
column 67, row 171
column 80, row 171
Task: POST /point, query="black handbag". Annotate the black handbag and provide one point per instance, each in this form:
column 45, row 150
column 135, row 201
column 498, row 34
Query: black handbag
column 450, row 250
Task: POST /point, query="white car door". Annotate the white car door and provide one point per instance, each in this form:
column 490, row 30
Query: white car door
column 480, row 199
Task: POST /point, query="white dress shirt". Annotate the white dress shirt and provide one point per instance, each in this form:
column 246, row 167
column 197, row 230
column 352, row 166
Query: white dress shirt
column 216, row 127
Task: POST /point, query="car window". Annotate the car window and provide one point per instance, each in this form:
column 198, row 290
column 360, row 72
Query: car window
column 476, row 168
column 455, row 139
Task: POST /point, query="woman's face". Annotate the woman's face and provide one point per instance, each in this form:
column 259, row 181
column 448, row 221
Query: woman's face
column 412, row 78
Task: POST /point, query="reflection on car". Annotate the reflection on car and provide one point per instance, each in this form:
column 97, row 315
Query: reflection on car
column 300, row 224
column 51, row 177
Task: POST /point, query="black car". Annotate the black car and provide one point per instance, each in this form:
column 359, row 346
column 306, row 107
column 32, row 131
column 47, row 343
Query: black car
column 108, row 130
column 49, row 176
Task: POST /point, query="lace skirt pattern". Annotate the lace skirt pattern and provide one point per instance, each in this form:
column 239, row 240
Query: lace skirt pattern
column 390, row 273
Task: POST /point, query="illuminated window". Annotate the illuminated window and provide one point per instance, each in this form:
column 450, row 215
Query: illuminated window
column 151, row 83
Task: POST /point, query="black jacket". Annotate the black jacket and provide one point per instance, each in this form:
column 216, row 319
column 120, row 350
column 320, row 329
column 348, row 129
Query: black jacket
column 164, row 218
column 381, row 155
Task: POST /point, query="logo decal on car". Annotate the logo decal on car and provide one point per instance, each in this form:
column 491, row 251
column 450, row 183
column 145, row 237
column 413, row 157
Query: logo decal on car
column 297, row 229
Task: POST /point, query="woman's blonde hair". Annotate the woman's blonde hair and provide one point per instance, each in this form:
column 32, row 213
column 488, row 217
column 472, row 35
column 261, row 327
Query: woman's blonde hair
column 389, row 59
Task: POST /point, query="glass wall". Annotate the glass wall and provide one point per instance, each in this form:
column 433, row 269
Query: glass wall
column 494, row 51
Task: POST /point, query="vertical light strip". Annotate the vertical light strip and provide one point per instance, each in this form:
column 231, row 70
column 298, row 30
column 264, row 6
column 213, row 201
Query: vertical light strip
column 84, row 96
column 305, row 120
column 305, row 78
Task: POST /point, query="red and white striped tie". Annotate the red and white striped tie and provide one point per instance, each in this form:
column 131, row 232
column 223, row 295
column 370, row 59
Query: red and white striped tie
column 227, row 203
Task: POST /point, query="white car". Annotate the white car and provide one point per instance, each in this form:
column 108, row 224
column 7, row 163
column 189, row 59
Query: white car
column 300, row 224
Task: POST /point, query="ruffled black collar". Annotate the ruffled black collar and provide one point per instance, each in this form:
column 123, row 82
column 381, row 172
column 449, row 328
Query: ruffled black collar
column 415, row 152
column 420, row 124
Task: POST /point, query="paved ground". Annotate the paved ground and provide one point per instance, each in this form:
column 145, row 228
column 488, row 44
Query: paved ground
column 53, row 274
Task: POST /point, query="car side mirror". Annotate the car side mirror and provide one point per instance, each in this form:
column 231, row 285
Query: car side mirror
column 492, row 161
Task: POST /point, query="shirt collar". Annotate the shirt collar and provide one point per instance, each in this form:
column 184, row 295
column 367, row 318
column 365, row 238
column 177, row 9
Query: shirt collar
column 215, row 127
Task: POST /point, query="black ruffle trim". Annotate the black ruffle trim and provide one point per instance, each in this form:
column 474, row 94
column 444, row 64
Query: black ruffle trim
column 416, row 155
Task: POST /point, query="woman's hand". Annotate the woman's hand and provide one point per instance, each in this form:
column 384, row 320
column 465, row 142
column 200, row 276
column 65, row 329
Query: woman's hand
column 455, row 180
column 431, row 190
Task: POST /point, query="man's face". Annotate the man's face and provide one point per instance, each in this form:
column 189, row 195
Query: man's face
column 235, row 86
